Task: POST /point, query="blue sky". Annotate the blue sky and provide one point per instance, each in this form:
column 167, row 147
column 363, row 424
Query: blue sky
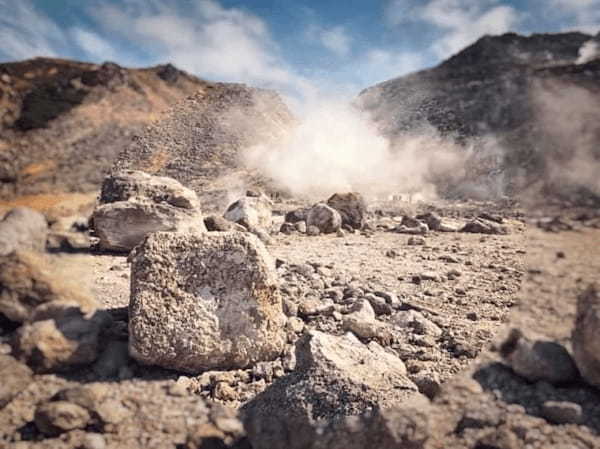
column 301, row 47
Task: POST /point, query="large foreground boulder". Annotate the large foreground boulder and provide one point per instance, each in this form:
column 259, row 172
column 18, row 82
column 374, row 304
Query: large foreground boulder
column 351, row 206
column 22, row 228
column 204, row 301
column 134, row 204
column 324, row 218
column 334, row 377
column 586, row 335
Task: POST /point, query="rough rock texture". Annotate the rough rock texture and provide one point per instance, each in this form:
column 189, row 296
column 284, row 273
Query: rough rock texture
column 54, row 418
column 134, row 204
column 201, row 141
column 29, row 280
column 251, row 212
column 586, row 335
column 334, row 377
column 352, row 208
column 324, row 218
column 22, row 228
column 63, row 123
column 15, row 378
column 202, row 301
column 537, row 360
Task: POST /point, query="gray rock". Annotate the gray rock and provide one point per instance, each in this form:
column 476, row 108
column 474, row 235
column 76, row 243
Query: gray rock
column 204, row 301
column 415, row 241
column 431, row 219
column 313, row 231
column 311, row 306
column 296, row 216
column 420, row 229
column 216, row 223
column 22, row 228
column 415, row 321
column 325, row 218
column 586, row 335
column 251, row 212
column 15, row 378
column 562, row 412
column 134, row 204
column 537, row 360
column 300, row 226
column 352, row 208
column 54, row 418
column 287, row 228
column 363, row 323
column 479, row 226
column 114, row 357
column 334, row 377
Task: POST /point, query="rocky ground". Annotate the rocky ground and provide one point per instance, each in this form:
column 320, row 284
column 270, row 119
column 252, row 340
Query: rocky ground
column 437, row 302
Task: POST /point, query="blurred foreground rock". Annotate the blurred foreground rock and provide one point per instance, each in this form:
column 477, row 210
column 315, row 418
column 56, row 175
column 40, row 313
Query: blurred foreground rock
column 22, row 228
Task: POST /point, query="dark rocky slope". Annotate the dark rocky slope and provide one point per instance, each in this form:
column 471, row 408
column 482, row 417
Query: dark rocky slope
column 524, row 103
column 62, row 123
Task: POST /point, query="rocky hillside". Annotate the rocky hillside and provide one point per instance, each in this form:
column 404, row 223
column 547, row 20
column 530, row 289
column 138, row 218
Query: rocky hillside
column 62, row 123
column 526, row 104
column 201, row 140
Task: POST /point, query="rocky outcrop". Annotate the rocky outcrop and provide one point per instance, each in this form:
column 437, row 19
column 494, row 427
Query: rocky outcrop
column 22, row 228
column 134, row 204
column 334, row 377
column 204, row 301
column 326, row 219
column 202, row 140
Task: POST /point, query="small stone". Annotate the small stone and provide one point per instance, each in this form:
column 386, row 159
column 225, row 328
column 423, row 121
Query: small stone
column 562, row 412
column 472, row 316
column 415, row 241
column 311, row 306
column 181, row 386
column 428, row 383
column 224, row 392
column 300, row 226
column 54, row 418
column 312, row 231
column 93, row 441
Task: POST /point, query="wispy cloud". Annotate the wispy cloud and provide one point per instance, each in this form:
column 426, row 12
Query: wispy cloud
column 582, row 15
column 25, row 33
column 336, row 39
column 459, row 22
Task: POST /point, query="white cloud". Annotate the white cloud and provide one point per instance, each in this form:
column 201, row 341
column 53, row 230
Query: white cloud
column 581, row 15
column 25, row 33
column 337, row 40
column 460, row 22
column 224, row 44
column 93, row 45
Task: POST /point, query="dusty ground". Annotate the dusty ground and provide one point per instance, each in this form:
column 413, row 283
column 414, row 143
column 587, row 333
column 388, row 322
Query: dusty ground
column 480, row 286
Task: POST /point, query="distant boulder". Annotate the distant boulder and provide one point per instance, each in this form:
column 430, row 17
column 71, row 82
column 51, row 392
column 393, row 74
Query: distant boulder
column 352, row 208
column 326, row 219
column 251, row 211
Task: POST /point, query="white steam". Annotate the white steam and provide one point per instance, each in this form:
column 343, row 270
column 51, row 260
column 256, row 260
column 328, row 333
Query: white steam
column 337, row 148
column 588, row 52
